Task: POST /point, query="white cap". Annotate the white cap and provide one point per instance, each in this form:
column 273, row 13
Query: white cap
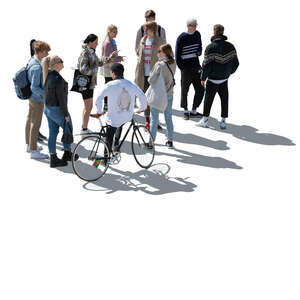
column 191, row 21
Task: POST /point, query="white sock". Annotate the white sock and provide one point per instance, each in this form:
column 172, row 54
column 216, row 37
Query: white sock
column 186, row 111
column 223, row 119
column 205, row 119
column 194, row 111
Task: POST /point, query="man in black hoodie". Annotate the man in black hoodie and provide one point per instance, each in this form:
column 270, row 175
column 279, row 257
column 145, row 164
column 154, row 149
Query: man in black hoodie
column 220, row 61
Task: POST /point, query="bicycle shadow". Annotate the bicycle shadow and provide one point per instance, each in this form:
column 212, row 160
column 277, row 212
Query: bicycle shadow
column 245, row 132
column 152, row 182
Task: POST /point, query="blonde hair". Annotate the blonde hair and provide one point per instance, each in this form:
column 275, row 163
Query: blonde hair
column 48, row 63
column 109, row 29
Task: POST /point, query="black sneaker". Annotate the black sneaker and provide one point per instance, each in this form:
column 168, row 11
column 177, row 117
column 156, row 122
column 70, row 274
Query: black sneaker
column 186, row 116
column 42, row 137
column 56, row 162
column 159, row 127
column 169, row 144
column 196, row 115
column 68, row 156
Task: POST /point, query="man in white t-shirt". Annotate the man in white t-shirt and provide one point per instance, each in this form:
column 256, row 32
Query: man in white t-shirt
column 121, row 95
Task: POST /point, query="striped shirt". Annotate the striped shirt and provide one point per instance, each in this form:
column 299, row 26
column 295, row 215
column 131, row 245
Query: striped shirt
column 147, row 56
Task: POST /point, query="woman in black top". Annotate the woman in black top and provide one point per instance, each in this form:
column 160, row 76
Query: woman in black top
column 56, row 108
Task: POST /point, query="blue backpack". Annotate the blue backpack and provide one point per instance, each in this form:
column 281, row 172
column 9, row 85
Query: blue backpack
column 22, row 84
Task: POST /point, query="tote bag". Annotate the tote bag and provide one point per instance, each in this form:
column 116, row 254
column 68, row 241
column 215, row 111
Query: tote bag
column 157, row 95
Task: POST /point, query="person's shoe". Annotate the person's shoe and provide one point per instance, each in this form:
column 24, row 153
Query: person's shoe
column 203, row 123
column 56, row 162
column 36, row 154
column 159, row 127
column 87, row 131
column 169, row 144
column 186, row 116
column 147, row 125
column 40, row 148
column 196, row 115
column 149, row 146
column 42, row 137
column 67, row 156
column 222, row 124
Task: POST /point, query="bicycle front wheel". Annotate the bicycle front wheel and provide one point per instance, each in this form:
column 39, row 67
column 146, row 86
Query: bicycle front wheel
column 92, row 160
column 143, row 155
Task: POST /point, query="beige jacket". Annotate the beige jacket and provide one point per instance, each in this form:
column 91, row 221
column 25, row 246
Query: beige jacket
column 161, row 67
column 139, row 71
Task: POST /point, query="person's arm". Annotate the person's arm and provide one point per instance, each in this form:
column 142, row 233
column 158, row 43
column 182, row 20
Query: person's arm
column 83, row 65
column 163, row 35
column 142, row 99
column 199, row 52
column 99, row 101
column 235, row 62
column 207, row 63
column 35, row 76
column 154, row 74
column 178, row 51
column 62, row 95
column 138, row 40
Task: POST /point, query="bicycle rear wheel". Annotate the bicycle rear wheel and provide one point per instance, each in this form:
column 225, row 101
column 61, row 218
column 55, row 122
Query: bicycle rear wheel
column 143, row 155
column 93, row 158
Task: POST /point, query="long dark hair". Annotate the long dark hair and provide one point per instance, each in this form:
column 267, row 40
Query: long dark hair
column 90, row 38
column 167, row 49
column 32, row 47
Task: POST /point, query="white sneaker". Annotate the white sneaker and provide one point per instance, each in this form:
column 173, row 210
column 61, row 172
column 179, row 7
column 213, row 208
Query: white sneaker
column 36, row 154
column 203, row 123
column 86, row 131
column 39, row 148
column 222, row 124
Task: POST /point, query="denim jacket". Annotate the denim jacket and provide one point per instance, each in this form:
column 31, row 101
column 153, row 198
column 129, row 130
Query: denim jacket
column 35, row 77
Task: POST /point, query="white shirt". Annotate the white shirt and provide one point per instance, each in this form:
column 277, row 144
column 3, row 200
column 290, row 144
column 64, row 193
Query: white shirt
column 147, row 56
column 219, row 81
column 113, row 89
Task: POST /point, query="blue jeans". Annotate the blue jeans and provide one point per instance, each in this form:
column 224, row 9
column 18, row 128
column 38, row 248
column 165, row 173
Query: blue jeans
column 56, row 120
column 168, row 119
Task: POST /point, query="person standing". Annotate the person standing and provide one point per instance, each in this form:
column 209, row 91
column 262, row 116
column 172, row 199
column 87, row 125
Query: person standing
column 37, row 99
column 56, row 108
column 41, row 137
column 109, row 45
column 121, row 93
column 161, row 33
column 187, row 52
column 167, row 67
column 88, row 64
column 147, row 58
column 220, row 61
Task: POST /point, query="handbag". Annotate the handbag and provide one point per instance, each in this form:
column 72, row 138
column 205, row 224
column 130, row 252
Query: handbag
column 67, row 137
column 81, row 82
column 157, row 95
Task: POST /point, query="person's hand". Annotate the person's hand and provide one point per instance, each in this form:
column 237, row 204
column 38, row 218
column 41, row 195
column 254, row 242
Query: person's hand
column 67, row 119
column 97, row 115
column 203, row 83
column 198, row 53
column 123, row 58
column 115, row 53
column 139, row 111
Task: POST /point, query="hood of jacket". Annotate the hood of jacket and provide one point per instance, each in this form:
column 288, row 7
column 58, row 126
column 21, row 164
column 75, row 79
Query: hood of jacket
column 216, row 38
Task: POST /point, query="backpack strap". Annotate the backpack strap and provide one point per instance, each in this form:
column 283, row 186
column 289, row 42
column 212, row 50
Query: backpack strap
column 142, row 30
column 171, row 73
column 159, row 30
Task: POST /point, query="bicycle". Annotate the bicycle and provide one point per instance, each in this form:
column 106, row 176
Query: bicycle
column 94, row 156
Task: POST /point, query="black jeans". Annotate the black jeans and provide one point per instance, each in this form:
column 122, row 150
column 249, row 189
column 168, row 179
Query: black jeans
column 111, row 133
column 189, row 77
column 107, row 79
column 210, row 92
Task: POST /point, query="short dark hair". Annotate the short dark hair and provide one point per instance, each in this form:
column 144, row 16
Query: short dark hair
column 149, row 14
column 219, row 29
column 117, row 69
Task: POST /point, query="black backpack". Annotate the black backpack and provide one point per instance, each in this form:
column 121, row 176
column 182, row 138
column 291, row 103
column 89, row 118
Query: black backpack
column 22, row 84
column 158, row 30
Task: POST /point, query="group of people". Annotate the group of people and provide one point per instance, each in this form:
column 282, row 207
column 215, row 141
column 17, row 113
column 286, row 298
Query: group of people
column 155, row 61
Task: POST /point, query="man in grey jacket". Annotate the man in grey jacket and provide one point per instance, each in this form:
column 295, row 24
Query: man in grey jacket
column 150, row 17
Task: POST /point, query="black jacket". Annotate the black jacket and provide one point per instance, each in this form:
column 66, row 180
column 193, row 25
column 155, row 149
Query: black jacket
column 56, row 92
column 220, row 59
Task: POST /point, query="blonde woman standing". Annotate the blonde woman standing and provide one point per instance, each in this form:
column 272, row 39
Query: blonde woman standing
column 109, row 45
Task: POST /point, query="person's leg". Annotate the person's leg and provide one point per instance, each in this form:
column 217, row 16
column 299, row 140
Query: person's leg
column 185, row 85
column 36, row 119
column 147, row 110
column 28, row 121
column 53, row 132
column 106, row 79
column 68, row 127
column 110, row 136
column 210, row 93
column 223, row 93
column 199, row 90
column 118, row 136
column 88, row 105
column 154, row 122
column 168, row 118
